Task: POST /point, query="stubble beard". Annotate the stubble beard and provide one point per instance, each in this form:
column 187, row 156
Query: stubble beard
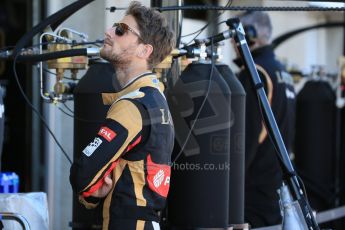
column 119, row 61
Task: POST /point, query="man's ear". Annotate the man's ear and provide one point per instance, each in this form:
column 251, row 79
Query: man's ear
column 145, row 51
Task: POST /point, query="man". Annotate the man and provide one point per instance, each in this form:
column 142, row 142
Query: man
column 125, row 167
column 263, row 171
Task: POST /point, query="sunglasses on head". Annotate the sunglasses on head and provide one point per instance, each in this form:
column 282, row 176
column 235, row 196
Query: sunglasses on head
column 122, row 28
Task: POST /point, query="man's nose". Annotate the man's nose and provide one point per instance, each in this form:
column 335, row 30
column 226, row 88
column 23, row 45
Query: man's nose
column 110, row 32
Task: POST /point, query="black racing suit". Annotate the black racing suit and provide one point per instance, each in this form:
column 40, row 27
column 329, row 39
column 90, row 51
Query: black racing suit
column 263, row 171
column 134, row 146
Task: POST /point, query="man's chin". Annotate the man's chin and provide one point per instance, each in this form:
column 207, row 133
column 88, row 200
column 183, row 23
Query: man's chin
column 104, row 54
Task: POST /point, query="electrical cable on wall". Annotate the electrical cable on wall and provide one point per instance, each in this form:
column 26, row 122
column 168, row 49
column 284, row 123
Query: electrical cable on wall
column 77, row 118
column 53, row 20
column 198, row 32
column 27, row 100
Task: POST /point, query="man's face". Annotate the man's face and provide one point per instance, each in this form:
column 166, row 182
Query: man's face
column 120, row 49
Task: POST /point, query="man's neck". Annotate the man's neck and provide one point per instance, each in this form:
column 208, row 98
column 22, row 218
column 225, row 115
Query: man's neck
column 125, row 76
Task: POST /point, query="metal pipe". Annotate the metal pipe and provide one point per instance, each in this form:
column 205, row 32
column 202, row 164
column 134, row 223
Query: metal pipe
column 36, row 130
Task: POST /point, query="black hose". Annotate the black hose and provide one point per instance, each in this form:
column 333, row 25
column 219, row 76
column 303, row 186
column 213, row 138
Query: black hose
column 53, row 20
column 53, row 55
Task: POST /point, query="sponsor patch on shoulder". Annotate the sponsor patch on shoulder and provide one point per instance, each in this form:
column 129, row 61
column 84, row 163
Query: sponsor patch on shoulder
column 107, row 133
column 92, row 146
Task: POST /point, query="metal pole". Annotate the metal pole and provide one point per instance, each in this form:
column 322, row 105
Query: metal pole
column 271, row 125
column 36, row 130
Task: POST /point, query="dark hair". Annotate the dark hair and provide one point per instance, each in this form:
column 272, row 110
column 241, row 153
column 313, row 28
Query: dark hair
column 261, row 22
column 154, row 30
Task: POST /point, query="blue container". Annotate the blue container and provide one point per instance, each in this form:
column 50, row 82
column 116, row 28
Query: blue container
column 9, row 182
